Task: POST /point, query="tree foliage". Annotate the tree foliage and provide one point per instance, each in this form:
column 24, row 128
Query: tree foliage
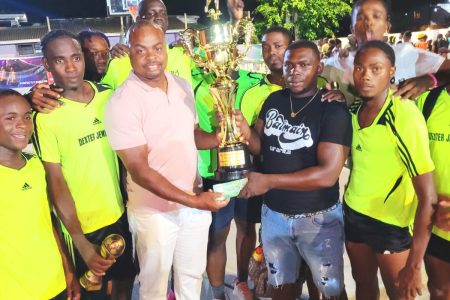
column 309, row 19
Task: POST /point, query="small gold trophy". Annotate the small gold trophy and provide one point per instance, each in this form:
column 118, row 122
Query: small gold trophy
column 215, row 49
column 112, row 247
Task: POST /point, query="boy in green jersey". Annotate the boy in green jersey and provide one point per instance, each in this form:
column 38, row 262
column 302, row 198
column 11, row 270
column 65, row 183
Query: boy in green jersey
column 33, row 262
column 82, row 169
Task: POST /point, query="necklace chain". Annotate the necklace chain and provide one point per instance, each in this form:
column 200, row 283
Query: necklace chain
column 294, row 114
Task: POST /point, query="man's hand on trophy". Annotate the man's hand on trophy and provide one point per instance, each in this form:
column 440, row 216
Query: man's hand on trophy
column 97, row 264
column 44, row 97
column 210, row 201
column 257, row 184
column 119, row 50
column 244, row 130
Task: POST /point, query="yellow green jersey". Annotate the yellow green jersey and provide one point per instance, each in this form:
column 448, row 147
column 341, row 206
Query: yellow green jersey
column 253, row 99
column 385, row 156
column 30, row 262
column 178, row 63
column 74, row 136
column 438, row 124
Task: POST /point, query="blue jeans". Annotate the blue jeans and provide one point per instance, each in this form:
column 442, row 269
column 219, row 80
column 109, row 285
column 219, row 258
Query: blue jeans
column 318, row 238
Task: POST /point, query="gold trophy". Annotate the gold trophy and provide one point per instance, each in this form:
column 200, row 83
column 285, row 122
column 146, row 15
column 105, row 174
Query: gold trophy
column 215, row 49
column 112, row 247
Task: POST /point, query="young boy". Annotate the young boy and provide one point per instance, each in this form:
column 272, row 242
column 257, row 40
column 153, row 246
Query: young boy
column 32, row 262
column 82, row 170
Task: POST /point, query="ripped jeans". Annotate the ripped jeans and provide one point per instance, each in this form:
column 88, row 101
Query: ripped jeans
column 317, row 238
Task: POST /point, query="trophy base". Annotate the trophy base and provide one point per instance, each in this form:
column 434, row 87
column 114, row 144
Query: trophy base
column 233, row 162
column 90, row 282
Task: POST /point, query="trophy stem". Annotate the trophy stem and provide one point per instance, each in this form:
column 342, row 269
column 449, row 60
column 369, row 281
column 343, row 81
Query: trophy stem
column 112, row 246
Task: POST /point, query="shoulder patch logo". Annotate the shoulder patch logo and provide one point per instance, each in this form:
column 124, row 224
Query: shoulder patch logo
column 96, row 122
column 358, row 148
column 26, row 187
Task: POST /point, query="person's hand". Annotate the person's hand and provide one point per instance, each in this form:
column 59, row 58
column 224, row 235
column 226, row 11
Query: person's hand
column 210, row 201
column 257, row 185
column 244, row 130
column 332, row 94
column 409, row 283
column 412, row 88
column 73, row 285
column 97, row 264
column 119, row 50
column 443, row 212
column 44, row 97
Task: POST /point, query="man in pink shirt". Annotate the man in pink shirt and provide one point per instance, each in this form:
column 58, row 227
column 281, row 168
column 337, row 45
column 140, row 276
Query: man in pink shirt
column 151, row 123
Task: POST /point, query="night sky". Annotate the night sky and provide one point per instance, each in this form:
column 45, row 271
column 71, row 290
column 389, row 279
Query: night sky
column 37, row 10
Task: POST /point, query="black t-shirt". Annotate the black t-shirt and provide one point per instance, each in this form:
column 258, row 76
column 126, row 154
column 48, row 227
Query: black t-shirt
column 290, row 144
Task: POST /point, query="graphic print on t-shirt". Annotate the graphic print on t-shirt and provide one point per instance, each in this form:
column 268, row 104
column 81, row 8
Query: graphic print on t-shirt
column 290, row 137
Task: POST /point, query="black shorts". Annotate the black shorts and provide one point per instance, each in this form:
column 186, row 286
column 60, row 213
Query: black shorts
column 124, row 267
column 383, row 238
column 248, row 210
column 439, row 248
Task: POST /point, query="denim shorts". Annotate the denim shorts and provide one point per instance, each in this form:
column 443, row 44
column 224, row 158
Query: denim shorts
column 318, row 238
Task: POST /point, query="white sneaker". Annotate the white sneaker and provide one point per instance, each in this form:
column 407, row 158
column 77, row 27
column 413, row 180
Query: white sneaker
column 242, row 291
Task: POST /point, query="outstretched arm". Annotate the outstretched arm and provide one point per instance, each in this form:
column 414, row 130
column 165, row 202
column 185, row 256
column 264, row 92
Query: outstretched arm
column 136, row 163
column 330, row 161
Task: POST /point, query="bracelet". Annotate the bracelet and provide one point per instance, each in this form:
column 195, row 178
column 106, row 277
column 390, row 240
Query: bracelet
column 435, row 82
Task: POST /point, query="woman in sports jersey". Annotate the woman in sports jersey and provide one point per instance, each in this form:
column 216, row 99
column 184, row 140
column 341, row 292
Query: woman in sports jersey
column 435, row 106
column 391, row 163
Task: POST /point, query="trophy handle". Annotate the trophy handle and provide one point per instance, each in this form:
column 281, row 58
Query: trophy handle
column 189, row 39
column 244, row 28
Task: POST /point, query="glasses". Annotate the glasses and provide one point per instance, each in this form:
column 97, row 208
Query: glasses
column 98, row 54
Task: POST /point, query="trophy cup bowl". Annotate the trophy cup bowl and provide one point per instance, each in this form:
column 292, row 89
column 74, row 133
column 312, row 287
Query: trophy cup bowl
column 215, row 49
column 112, row 246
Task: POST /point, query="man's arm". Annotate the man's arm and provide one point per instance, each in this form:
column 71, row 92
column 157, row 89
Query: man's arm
column 72, row 284
column 62, row 200
column 427, row 63
column 330, row 161
column 136, row 163
column 409, row 278
column 205, row 140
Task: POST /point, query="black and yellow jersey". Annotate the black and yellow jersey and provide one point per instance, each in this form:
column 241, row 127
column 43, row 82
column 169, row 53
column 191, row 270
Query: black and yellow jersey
column 74, row 136
column 438, row 124
column 30, row 261
column 386, row 155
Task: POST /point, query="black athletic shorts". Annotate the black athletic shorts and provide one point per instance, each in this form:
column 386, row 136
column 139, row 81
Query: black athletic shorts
column 439, row 248
column 124, row 267
column 383, row 238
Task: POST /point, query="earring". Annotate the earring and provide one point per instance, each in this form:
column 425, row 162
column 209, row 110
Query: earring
column 392, row 81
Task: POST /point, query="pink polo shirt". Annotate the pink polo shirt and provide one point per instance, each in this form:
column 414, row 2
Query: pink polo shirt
column 137, row 115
